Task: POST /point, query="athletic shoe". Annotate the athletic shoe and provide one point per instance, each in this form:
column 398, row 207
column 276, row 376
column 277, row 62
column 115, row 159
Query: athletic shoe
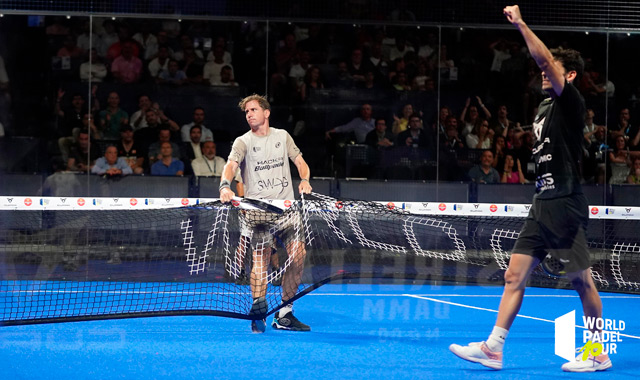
column 259, row 308
column 592, row 364
column 289, row 322
column 478, row 352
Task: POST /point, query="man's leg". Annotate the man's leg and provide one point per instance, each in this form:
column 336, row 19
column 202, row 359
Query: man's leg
column 291, row 279
column 261, row 256
column 489, row 353
column 592, row 307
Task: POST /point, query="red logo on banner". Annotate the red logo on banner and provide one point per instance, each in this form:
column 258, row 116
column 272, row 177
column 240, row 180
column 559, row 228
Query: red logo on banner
column 133, row 201
column 339, row 205
column 185, row 201
column 442, row 207
column 391, row 205
column 493, row 208
column 594, row 210
column 28, row 202
column 81, row 202
column 287, row 203
column 235, row 203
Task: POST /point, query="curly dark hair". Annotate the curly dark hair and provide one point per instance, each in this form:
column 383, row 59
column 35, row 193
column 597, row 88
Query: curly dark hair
column 571, row 59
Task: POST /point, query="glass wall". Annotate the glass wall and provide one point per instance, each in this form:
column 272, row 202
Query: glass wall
column 382, row 102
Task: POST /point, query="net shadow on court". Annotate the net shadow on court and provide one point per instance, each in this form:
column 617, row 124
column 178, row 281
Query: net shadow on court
column 358, row 332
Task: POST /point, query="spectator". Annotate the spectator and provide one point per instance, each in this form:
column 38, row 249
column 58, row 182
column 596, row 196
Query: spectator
column 70, row 49
column 130, row 150
column 589, row 127
column 471, row 117
column 138, row 119
column 380, row 137
column 634, row 174
column 312, row 80
column 357, row 67
column 623, row 128
column 198, row 119
column 620, row 161
column 173, row 75
column 481, row 136
column 502, row 122
column 191, row 150
column 484, row 172
column 81, row 157
column 298, row 72
column 108, row 37
column 69, row 121
column 192, row 65
column 400, row 49
column 85, row 39
column 211, row 70
column 343, row 79
column 378, row 64
column 499, row 151
column 400, row 124
column 127, row 68
column 112, row 118
column 208, row 165
column 155, row 151
column 400, row 82
column 156, row 120
column 111, row 164
column 360, row 126
column 147, row 41
column 595, row 163
column 226, row 77
column 167, row 165
column 93, row 70
column 415, row 136
column 452, row 155
column 512, row 170
column 220, row 43
column 159, row 63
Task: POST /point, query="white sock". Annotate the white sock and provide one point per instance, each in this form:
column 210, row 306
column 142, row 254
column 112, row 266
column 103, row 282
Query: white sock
column 282, row 312
column 497, row 338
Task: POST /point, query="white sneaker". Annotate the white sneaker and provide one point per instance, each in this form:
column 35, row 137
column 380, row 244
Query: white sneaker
column 478, row 352
column 592, row 364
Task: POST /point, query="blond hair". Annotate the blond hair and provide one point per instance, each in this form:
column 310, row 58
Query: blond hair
column 262, row 101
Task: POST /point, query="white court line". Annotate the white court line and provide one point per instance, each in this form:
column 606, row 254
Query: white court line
column 495, row 311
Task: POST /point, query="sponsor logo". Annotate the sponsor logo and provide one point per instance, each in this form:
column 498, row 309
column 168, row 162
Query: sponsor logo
column 610, row 211
column 457, row 207
column 601, row 336
column 339, row 205
column 527, row 207
column 406, row 206
column 167, row 200
column 594, row 210
column 28, row 202
column 97, row 202
column 235, row 203
column 425, row 204
column 115, row 200
column 628, row 209
column 493, row 208
column 476, row 205
column 44, row 202
column 287, row 203
column 133, row 201
column 148, row 201
column 508, row 208
column 278, row 145
column 63, row 200
column 81, row 202
column 9, row 200
column 184, row 201
column 391, row 205
column 442, row 207
column 256, row 149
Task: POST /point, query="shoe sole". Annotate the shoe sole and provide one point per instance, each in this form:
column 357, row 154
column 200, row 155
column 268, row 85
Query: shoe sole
column 485, row 362
column 276, row 326
column 601, row 367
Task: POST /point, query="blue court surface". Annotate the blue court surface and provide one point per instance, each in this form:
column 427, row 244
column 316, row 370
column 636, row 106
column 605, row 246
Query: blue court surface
column 358, row 332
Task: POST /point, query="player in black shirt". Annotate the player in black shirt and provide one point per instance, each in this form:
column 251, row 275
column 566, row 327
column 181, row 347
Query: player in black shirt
column 557, row 221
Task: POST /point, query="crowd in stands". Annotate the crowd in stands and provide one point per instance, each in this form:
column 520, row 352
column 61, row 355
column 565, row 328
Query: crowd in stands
column 481, row 132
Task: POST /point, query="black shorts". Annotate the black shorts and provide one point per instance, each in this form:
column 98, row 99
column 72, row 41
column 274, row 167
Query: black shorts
column 557, row 227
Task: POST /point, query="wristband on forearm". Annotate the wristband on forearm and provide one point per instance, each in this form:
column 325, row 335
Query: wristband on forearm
column 304, row 179
column 224, row 184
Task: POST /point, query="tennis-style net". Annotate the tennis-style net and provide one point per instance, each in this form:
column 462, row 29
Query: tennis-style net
column 64, row 259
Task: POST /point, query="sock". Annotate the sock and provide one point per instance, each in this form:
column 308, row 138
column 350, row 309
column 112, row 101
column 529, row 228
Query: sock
column 282, row 312
column 497, row 338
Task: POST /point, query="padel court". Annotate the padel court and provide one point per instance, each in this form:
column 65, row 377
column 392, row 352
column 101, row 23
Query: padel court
column 358, row 332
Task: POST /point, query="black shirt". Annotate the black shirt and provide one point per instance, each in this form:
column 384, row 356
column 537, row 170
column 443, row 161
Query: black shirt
column 558, row 149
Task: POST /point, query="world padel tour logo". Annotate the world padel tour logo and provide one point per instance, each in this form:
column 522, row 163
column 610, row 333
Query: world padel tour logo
column 601, row 336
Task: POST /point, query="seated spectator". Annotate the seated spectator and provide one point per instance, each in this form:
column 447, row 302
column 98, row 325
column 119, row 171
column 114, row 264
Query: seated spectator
column 208, row 165
column 127, row 68
column 380, row 138
column 226, row 77
column 159, row 63
column 589, row 127
column 93, row 70
column 70, row 49
column 155, row 153
column 400, row 82
column 499, row 151
column 484, row 172
column 634, row 173
column 452, row 157
column 470, row 115
column 198, row 119
column 111, row 164
column 360, row 126
column 112, row 118
column 481, row 136
column 620, row 161
column 415, row 136
column 81, row 157
column 211, row 70
column 156, row 120
column 147, row 41
column 139, row 118
column 173, row 75
column 595, row 165
column 502, row 123
column 343, row 79
column 69, row 121
column 400, row 124
column 191, row 150
column 167, row 165
column 312, row 80
column 512, row 170
column 130, row 150
column 192, row 65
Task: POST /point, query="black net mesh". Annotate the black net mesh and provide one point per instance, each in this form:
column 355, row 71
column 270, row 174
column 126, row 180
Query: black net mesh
column 217, row 258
